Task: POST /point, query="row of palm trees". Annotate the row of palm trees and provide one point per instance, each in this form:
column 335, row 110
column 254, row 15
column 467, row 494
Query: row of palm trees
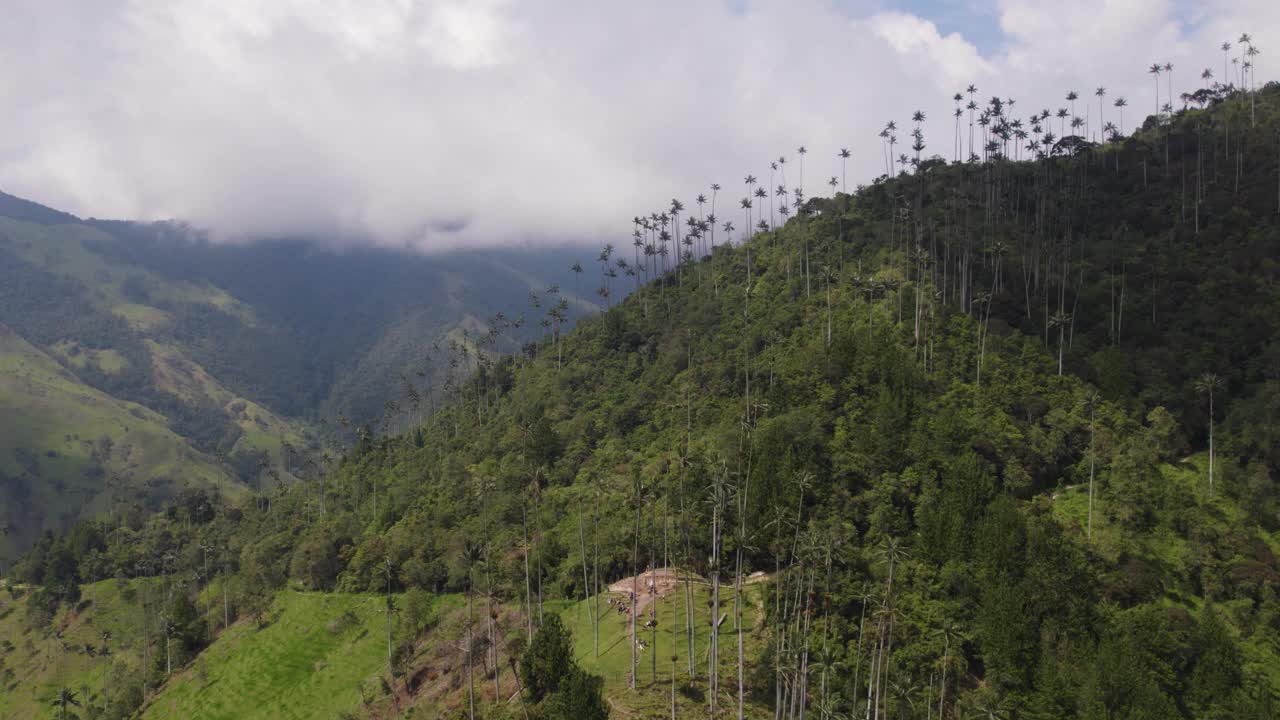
column 661, row 245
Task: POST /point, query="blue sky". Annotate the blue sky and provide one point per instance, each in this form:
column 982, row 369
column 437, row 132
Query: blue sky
column 977, row 21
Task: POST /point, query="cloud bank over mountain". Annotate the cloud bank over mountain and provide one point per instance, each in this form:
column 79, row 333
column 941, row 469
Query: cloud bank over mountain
column 444, row 123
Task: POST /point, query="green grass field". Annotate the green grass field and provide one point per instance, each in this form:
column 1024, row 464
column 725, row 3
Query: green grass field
column 322, row 654
column 309, row 662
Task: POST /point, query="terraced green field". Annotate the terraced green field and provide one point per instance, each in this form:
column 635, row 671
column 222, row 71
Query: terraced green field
column 323, row 653
column 308, row 663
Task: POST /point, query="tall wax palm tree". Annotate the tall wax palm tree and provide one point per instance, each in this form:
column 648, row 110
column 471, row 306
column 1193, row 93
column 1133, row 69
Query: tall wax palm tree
column 884, row 143
column 844, row 167
column 802, row 151
column 104, row 653
column 955, row 136
column 950, row 632
column 773, row 168
column 715, row 189
column 918, row 117
column 891, row 139
column 639, row 498
column 702, row 201
column 391, row 610
column 1155, row 70
column 971, row 107
column 677, row 207
column 1168, row 76
column 892, row 551
column 1101, row 94
column 1208, row 384
column 64, row 698
column 1091, row 401
column 958, row 113
column 1252, row 53
column 692, row 235
column 1226, row 61
column 1120, row 105
column 1060, row 320
column 577, row 272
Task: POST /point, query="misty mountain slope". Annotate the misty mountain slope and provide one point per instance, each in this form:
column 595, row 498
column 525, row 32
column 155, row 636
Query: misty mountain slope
column 336, row 317
column 233, row 350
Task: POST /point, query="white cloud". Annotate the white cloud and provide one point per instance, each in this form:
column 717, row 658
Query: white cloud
column 541, row 119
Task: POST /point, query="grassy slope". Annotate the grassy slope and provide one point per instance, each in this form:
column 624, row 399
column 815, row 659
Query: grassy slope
column 306, row 664
column 264, row 430
column 39, row 663
column 44, row 408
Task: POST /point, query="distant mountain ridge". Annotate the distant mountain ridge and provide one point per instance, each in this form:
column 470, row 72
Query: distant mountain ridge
column 16, row 208
column 237, row 354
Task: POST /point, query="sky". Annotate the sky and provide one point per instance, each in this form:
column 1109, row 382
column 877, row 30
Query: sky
column 437, row 124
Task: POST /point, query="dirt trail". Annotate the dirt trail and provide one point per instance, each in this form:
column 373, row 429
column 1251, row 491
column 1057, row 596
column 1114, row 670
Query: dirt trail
column 650, row 586
column 653, row 585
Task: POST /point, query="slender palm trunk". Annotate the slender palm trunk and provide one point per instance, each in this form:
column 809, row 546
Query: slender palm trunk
column 1092, row 457
column 635, row 593
column 528, row 586
column 1211, row 442
column 942, row 691
column 471, row 683
column 586, row 585
column 493, row 633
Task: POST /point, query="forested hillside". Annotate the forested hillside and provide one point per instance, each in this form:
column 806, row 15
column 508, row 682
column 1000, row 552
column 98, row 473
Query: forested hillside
column 994, row 438
column 131, row 345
